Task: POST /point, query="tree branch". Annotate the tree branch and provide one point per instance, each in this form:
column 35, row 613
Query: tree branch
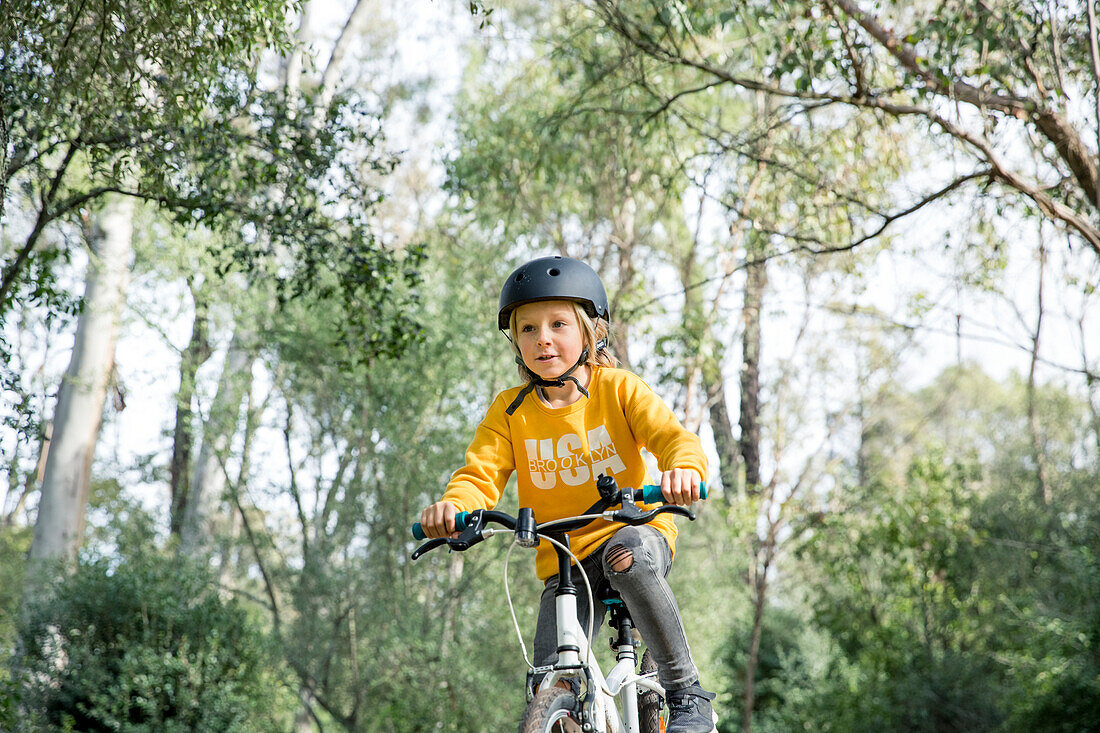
column 45, row 216
column 1054, row 126
column 805, row 241
column 1095, row 54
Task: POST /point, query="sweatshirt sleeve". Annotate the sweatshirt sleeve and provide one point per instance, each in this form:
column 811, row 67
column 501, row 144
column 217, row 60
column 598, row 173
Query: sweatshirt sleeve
column 489, row 462
column 657, row 429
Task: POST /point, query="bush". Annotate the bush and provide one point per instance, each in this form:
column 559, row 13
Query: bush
column 147, row 646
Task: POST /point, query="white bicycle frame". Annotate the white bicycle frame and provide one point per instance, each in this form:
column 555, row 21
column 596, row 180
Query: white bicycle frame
column 575, row 654
column 622, row 681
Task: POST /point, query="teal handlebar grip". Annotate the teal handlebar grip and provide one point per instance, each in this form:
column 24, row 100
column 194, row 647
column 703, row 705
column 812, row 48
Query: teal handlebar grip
column 651, row 493
column 460, row 524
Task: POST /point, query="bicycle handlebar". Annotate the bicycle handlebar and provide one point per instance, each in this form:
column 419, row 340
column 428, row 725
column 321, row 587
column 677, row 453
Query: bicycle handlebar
column 648, row 494
column 460, row 524
column 651, row 493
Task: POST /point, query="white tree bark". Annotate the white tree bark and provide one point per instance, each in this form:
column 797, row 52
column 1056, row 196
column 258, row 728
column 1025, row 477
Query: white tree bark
column 59, row 528
column 208, row 479
column 331, row 76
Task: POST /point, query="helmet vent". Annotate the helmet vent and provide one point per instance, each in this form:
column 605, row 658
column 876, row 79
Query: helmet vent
column 520, row 277
column 553, row 272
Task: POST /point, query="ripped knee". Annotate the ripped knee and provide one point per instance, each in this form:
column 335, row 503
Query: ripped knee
column 620, row 558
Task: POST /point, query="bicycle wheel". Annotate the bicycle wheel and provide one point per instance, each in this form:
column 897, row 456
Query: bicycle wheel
column 650, row 705
column 551, row 711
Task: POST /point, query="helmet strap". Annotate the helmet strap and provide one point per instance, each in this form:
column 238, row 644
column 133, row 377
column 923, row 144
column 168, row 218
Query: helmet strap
column 537, row 381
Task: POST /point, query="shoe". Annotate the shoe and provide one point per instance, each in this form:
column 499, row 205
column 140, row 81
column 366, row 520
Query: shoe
column 690, row 710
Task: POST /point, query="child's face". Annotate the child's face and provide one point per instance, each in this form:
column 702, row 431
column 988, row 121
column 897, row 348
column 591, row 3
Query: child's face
column 549, row 337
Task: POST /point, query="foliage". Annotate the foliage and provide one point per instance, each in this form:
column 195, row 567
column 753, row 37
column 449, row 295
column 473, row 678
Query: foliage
column 14, row 543
column 948, row 596
column 903, row 601
column 787, row 674
column 58, row 66
column 984, row 83
column 147, row 644
column 193, row 126
column 566, row 164
column 355, row 452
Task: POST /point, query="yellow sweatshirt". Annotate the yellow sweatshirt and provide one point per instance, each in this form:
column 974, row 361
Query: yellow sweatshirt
column 559, row 453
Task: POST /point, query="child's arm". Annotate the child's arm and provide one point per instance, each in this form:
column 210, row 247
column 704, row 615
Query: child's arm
column 680, row 456
column 480, row 482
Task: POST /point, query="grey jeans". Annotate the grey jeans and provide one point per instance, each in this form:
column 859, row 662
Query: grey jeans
column 645, row 592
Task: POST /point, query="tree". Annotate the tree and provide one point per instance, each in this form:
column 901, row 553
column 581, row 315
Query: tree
column 352, row 453
column 678, row 138
column 65, row 151
column 59, row 528
column 946, row 589
column 65, row 148
column 568, row 165
column 289, row 195
column 313, row 209
column 987, row 82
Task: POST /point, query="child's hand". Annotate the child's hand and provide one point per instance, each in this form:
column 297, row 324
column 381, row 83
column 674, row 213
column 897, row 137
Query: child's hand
column 438, row 520
column 680, row 486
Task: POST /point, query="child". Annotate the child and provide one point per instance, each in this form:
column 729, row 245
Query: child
column 577, row 417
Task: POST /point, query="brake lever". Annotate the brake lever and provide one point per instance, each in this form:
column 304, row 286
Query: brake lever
column 471, row 535
column 635, row 517
column 467, row 539
column 683, row 511
column 428, row 547
column 629, row 510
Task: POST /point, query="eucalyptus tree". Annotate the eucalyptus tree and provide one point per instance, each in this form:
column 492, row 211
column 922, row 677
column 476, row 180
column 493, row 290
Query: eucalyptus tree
column 59, row 527
column 192, row 128
column 322, row 460
column 338, row 458
column 67, row 151
column 1006, row 89
column 87, row 93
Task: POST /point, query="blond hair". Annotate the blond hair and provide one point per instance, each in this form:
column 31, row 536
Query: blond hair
column 593, row 331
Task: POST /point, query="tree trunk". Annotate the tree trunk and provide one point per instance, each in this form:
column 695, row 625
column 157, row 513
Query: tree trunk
column 1042, row 477
column 330, row 77
column 1092, row 381
column 5, row 136
column 194, row 356
column 761, row 560
column 624, row 237
column 755, row 283
column 59, row 528
column 621, row 345
column 749, row 698
column 707, row 355
column 725, row 442
column 33, row 479
column 208, row 481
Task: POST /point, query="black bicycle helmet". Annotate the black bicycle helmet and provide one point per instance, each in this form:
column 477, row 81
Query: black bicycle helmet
column 553, row 278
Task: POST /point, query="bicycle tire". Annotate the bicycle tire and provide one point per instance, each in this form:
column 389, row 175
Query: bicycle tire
column 650, row 704
column 552, row 710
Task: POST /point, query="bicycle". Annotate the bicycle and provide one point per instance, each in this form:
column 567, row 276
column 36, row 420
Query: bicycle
column 626, row 700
